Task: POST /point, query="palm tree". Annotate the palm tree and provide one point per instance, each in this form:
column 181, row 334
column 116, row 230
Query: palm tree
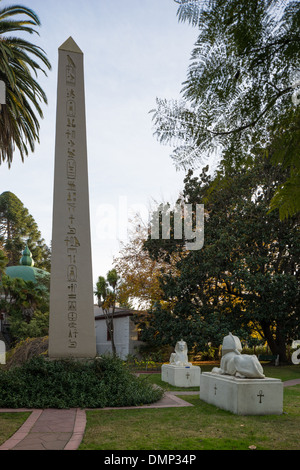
column 19, row 66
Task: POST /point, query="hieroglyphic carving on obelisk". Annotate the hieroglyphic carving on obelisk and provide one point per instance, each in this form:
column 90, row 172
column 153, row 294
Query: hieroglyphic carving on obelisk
column 72, row 325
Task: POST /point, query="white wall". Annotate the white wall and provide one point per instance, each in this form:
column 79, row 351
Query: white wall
column 121, row 336
column 125, row 333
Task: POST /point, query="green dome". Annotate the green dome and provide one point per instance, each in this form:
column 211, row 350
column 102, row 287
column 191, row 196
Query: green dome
column 27, row 273
column 25, row 270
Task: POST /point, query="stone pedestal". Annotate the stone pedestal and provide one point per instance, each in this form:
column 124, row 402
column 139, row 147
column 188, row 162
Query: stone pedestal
column 242, row 396
column 181, row 376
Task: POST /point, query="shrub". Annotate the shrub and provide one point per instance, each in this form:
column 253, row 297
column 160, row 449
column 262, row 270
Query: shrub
column 40, row 383
column 26, row 350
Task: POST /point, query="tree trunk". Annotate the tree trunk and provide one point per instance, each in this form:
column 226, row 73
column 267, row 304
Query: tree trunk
column 275, row 342
column 110, row 326
column 281, row 346
column 113, row 346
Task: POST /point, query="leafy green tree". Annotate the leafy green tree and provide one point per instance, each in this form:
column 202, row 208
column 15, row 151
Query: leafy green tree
column 20, row 63
column 26, row 306
column 240, row 95
column 246, row 277
column 3, row 263
column 17, row 228
column 139, row 272
column 37, row 327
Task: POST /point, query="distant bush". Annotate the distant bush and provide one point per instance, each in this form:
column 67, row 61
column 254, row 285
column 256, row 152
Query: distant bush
column 40, row 383
column 26, row 350
column 257, row 350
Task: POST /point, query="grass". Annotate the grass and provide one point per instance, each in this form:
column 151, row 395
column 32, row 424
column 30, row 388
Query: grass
column 10, row 423
column 201, row 427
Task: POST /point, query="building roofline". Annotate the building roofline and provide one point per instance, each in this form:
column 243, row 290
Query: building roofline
column 119, row 312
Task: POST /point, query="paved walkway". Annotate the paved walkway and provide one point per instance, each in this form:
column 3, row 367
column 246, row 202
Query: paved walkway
column 49, row 429
column 52, row 429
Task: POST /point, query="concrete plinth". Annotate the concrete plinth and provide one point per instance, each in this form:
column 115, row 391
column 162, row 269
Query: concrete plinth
column 181, row 376
column 242, row 396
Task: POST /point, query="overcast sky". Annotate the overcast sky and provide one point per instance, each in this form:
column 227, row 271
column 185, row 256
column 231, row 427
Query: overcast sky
column 134, row 51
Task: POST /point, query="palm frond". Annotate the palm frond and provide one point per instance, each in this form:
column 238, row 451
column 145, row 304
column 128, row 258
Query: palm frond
column 20, row 61
column 13, row 10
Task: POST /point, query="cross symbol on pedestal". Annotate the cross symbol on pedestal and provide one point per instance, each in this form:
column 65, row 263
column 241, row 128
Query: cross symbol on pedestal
column 215, row 388
column 260, row 395
column 187, row 375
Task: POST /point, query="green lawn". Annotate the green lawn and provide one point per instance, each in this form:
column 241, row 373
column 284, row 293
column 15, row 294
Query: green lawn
column 10, row 423
column 201, row 427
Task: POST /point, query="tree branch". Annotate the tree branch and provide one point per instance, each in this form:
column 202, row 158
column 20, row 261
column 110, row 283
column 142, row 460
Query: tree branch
column 255, row 121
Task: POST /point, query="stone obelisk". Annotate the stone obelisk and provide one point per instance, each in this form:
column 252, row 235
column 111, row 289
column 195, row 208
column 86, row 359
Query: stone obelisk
column 72, row 324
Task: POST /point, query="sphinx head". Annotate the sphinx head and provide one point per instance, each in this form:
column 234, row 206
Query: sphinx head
column 231, row 343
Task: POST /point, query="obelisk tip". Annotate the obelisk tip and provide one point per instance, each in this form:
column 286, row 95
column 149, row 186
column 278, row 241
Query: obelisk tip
column 70, row 46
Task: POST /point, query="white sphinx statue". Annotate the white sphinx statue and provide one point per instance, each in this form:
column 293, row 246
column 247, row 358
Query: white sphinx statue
column 180, row 356
column 180, row 372
column 236, row 364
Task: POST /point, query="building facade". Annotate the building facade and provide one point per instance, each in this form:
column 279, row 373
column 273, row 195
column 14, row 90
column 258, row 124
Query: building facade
column 126, row 334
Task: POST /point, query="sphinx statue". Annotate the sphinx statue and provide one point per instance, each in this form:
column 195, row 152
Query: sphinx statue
column 236, row 364
column 180, row 372
column 180, row 356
